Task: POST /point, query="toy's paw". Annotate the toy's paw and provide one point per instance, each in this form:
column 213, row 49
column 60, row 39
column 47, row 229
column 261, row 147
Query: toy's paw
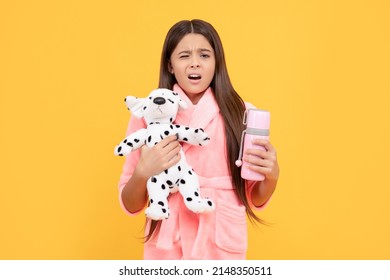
column 157, row 212
column 122, row 150
column 201, row 205
column 202, row 137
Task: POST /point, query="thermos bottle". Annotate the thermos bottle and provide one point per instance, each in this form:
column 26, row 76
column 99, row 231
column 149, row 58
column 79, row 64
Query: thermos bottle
column 257, row 126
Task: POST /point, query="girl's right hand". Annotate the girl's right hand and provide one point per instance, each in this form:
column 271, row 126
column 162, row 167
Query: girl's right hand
column 158, row 158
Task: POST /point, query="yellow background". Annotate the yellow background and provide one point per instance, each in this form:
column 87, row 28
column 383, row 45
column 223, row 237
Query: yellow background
column 321, row 67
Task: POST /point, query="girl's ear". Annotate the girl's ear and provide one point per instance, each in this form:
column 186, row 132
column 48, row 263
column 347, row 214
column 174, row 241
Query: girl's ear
column 135, row 105
column 170, row 69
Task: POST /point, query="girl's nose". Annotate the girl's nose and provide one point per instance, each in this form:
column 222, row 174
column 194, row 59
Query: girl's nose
column 194, row 63
column 195, row 66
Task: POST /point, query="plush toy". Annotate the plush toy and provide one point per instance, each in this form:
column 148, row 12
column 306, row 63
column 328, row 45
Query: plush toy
column 159, row 110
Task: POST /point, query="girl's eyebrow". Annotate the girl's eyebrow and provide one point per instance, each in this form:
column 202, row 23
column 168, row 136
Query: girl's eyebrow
column 199, row 50
column 184, row 52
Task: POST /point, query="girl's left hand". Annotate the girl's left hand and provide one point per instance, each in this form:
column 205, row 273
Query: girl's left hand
column 264, row 162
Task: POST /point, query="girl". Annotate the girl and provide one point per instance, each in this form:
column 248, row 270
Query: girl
column 193, row 64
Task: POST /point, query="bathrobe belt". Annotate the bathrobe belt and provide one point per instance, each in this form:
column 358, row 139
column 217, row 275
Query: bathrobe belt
column 167, row 235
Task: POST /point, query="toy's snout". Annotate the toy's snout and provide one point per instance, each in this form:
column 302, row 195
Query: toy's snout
column 159, row 100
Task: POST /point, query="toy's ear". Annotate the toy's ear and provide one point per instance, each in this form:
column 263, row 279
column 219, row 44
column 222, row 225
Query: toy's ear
column 135, row 105
column 182, row 103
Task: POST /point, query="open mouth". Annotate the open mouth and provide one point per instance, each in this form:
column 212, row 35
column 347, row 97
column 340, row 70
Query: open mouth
column 194, row 77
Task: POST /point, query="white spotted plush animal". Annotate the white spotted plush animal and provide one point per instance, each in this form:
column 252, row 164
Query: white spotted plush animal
column 159, row 110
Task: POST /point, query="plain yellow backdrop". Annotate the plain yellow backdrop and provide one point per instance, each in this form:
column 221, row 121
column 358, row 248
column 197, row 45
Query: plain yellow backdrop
column 321, row 67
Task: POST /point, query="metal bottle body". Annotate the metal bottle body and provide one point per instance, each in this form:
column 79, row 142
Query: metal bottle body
column 257, row 127
column 246, row 173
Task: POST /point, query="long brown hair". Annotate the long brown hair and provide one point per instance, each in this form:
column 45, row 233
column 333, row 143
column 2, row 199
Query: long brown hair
column 230, row 104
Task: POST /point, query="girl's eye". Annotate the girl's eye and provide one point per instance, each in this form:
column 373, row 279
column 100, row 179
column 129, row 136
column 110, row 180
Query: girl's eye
column 184, row 56
column 205, row 55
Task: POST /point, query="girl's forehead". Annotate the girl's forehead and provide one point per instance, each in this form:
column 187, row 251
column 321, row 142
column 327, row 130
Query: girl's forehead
column 193, row 41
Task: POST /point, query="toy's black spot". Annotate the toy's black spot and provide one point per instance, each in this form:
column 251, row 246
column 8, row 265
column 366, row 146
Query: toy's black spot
column 171, row 101
column 151, row 201
column 163, row 186
column 196, row 193
column 136, row 140
column 189, row 199
column 185, row 139
column 179, row 168
column 182, row 181
column 154, row 179
column 189, row 172
column 166, row 171
column 171, row 120
column 130, row 144
column 177, row 126
column 164, row 210
column 171, row 126
column 196, row 130
column 166, row 132
column 209, row 203
column 144, row 108
column 119, row 149
column 161, row 203
column 125, row 141
column 187, row 128
column 169, row 183
column 149, row 139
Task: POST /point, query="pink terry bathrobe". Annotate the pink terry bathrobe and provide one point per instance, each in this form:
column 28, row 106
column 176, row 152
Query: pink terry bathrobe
column 221, row 234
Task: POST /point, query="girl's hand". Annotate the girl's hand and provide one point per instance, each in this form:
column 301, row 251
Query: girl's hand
column 264, row 162
column 158, row 158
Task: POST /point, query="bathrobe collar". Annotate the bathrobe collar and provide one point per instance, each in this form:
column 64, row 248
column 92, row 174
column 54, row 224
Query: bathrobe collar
column 199, row 115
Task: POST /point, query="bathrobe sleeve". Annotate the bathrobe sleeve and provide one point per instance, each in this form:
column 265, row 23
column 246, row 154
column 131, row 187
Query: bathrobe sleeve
column 130, row 162
column 249, row 188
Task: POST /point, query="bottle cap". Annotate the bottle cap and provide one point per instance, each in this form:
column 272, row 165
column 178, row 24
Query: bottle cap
column 256, row 118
